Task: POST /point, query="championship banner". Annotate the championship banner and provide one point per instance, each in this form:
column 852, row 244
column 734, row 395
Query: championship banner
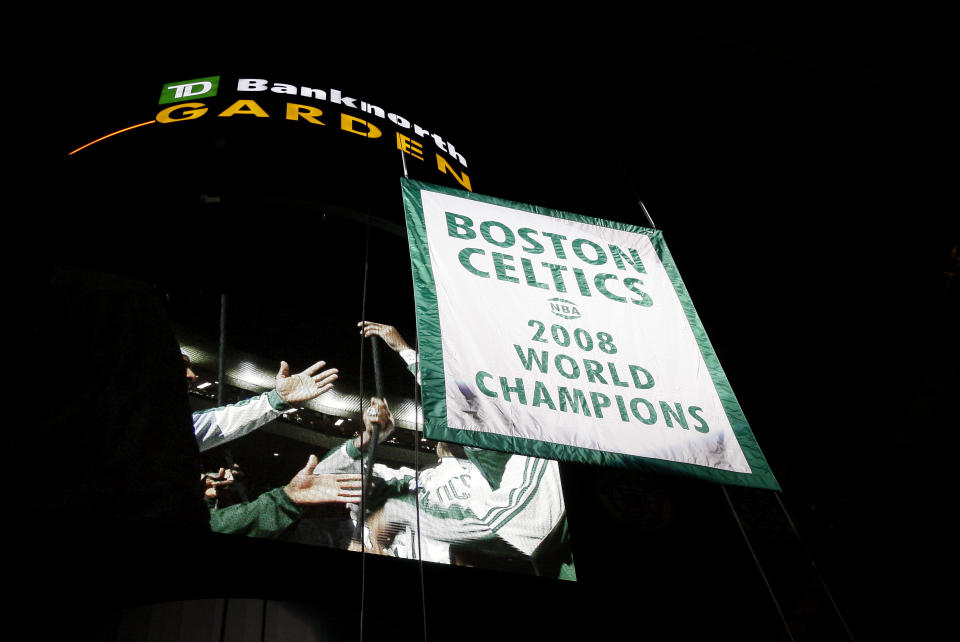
column 566, row 337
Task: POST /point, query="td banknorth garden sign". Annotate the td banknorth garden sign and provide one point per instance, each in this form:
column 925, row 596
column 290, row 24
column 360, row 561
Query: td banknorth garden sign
column 561, row 336
column 190, row 99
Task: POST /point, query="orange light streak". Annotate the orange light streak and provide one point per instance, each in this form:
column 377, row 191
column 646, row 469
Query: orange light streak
column 119, row 131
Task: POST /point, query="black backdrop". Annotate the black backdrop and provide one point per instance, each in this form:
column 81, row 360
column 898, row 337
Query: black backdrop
column 800, row 173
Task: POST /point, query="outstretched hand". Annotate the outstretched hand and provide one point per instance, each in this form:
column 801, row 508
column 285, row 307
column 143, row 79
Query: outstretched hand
column 213, row 482
column 305, row 385
column 327, row 488
column 377, row 413
column 388, row 333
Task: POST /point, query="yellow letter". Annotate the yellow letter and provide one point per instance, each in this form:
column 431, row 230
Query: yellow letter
column 196, row 110
column 409, row 146
column 244, row 107
column 444, row 167
column 310, row 114
column 347, row 122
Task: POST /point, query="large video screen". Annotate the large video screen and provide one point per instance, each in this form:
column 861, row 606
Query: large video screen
column 286, row 425
column 275, row 249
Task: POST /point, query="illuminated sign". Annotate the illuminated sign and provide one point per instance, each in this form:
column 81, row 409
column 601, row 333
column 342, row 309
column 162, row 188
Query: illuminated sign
column 353, row 115
column 188, row 89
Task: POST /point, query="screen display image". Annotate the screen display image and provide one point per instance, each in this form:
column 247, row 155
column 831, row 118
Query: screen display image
column 388, row 323
column 308, row 389
column 257, row 235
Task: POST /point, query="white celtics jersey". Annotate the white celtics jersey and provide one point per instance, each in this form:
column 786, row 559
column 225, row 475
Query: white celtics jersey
column 458, row 504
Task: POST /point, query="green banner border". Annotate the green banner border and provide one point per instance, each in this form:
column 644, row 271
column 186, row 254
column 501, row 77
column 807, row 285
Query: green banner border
column 433, row 386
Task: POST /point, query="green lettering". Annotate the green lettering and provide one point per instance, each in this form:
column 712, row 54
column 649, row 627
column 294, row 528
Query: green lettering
column 479, row 379
column 575, row 373
column 507, row 389
column 557, row 247
column 677, row 414
column 622, row 407
column 532, row 358
column 535, row 246
column 635, row 371
column 578, row 250
column 582, row 282
column 576, row 401
column 453, row 491
column 634, row 408
column 460, row 222
column 601, row 282
column 702, row 425
column 600, row 401
column 593, row 370
column 465, row 261
column 541, row 396
column 618, row 258
column 508, row 237
column 501, row 269
column 614, row 377
column 644, row 300
column 557, row 277
column 530, row 276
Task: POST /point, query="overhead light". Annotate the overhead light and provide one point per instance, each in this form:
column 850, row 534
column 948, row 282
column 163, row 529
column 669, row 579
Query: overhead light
column 338, row 422
column 205, row 384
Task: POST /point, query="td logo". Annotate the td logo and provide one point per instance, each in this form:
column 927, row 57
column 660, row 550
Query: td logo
column 563, row 308
column 186, row 89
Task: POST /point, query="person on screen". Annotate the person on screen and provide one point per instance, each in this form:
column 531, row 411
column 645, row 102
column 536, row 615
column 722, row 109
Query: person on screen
column 217, row 426
column 475, row 503
column 274, row 512
column 464, row 518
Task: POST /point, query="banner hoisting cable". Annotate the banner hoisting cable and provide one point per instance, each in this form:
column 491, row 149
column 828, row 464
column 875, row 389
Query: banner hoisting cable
column 370, row 457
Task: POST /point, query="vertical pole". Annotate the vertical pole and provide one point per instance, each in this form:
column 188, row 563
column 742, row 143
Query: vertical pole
column 358, row 531
column 647, row 214
column 222, row 349
column 417, row 431
column 238, row 485
column 369, row 458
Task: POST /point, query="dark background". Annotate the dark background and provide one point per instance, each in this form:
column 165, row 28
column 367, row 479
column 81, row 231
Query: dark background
column 799, row 165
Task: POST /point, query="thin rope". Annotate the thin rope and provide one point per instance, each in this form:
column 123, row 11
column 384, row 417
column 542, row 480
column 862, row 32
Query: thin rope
column 263, row 622
column 238, row 486
column 363, row 481
column 223, row 620
column 417, row 431
column 816, row 570
column 221, row 348
column 757, row 562
column 725, row 493
column 636, row 194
